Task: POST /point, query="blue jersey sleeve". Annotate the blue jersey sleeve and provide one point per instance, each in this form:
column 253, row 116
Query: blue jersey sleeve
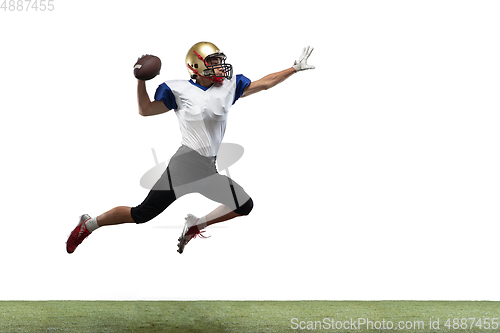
column 241, row 83
column 164, row 94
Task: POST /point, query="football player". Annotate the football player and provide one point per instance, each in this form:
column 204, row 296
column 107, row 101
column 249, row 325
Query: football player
column 201, row 105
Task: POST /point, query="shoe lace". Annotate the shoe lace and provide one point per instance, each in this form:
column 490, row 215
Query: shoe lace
column 198, row 233
column 83, row 232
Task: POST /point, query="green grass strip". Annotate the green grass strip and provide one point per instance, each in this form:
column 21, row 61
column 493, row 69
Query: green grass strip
column 248, row 316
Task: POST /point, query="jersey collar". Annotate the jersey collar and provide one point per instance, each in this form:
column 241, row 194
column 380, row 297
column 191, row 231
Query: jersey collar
column 200, row 86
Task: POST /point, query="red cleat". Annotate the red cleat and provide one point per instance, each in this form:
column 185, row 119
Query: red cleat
column 78, row 235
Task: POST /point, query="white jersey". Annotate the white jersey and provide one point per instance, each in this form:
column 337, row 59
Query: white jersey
column 202, row 112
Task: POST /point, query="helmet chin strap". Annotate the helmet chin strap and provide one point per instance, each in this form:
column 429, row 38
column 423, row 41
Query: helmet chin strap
column 211, row 78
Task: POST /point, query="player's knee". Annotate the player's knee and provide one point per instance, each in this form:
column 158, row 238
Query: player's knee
column 140, row 216
column 246, row 208
column 154, row 204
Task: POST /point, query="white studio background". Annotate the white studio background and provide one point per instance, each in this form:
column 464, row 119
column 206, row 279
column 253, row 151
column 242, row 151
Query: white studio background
column 374, row 176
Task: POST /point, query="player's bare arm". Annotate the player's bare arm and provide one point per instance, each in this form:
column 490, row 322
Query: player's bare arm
column 268, row 81
column 146, row 106
column 271, row 80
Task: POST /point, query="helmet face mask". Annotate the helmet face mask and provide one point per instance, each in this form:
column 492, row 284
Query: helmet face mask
column 204, row 59
column 217, row 67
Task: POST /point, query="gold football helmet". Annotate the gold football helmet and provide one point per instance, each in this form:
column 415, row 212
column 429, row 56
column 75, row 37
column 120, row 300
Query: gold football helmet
column 206, row 60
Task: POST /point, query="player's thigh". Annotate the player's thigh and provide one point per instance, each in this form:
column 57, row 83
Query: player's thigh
column 218, row 188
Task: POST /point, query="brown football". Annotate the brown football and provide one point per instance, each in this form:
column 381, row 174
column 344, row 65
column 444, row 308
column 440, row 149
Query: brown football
column 147, row 67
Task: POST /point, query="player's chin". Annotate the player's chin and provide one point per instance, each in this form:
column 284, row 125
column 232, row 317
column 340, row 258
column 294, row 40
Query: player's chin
column 218, row 81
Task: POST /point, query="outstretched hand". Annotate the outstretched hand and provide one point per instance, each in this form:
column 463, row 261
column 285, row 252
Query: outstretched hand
column 301, row 63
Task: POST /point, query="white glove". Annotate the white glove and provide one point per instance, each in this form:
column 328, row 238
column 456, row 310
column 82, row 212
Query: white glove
column 301, row 64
